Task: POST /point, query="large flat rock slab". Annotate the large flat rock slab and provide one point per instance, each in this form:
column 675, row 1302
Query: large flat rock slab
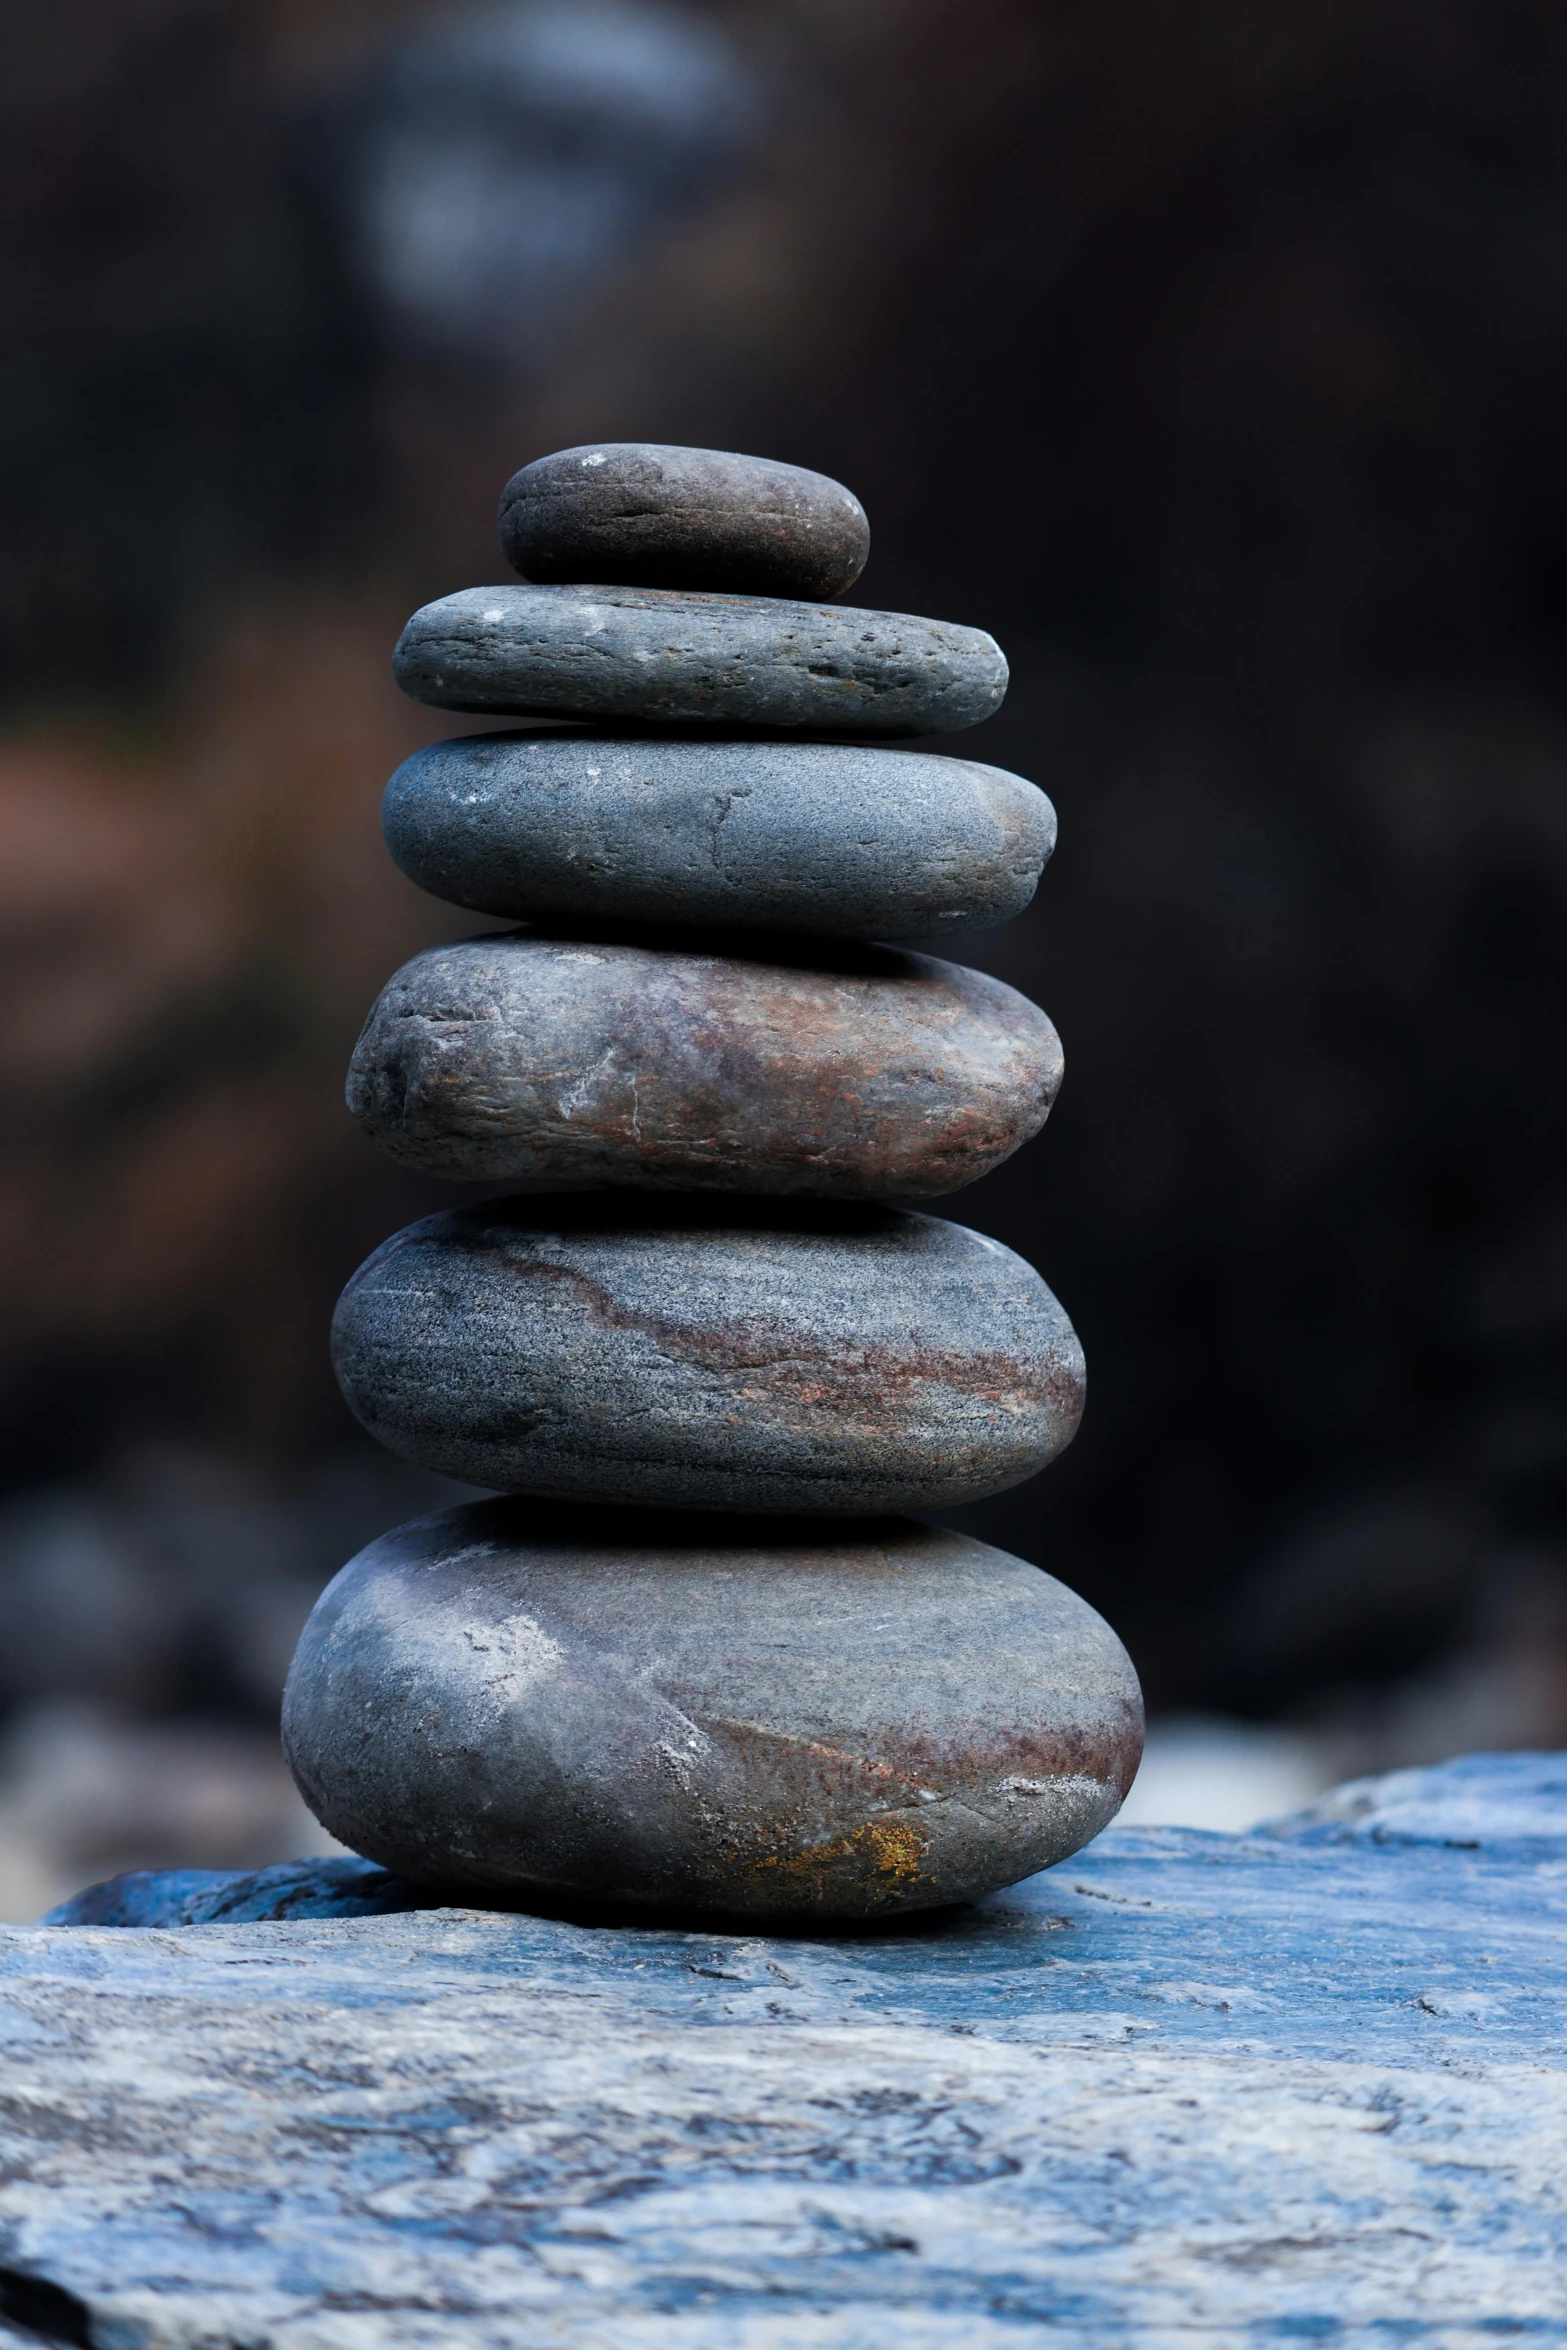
column 1185, row 2089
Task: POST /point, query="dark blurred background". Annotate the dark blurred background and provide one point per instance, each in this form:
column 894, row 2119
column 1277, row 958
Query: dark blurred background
column 1216, row 360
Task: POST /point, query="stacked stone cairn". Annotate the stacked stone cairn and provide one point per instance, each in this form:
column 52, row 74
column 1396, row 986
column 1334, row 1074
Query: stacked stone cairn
column 698, row 1658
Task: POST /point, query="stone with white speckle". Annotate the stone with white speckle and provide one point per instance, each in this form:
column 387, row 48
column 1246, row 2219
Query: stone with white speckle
column 721, row 662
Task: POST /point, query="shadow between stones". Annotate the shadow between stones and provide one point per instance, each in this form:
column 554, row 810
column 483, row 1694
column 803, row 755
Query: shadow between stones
column 620, row 1917
column 40, row 2307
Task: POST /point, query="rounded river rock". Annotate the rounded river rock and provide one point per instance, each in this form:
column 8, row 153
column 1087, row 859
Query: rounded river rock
column 664, row 659
column 651, row 516
column 711, row 1354
column 869, row 1073
column 849, row 839
column 780, row 1719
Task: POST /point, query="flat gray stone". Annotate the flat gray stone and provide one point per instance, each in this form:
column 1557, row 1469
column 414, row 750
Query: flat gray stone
column 869, row 1073
column 700, row 1353
column 847, row 839
column 665, row 659
column 754, row 1717
column 651, row 516
column 1186, row 2088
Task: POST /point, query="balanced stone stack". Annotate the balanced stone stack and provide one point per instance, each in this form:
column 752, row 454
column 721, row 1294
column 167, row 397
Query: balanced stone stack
column 697, row 1657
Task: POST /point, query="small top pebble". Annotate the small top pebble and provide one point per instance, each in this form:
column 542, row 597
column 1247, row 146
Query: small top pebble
column 636, row 514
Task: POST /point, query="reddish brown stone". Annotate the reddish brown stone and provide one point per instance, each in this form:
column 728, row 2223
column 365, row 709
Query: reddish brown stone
column 704, row 1352
column 872, row 1074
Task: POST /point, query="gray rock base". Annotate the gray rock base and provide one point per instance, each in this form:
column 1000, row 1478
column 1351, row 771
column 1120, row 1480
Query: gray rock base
column 850, row 840
column 692, row 1352
column 778, row 1720
column 1184, row 2089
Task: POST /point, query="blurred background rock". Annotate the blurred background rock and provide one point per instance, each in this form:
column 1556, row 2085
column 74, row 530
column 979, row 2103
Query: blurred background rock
column 1216, row 360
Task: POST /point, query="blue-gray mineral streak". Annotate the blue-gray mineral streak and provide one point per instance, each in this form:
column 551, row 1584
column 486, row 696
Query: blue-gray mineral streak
column 697, row 1352
column 850, row 839
column 862, row 1073
column 653, row 516
column 658, row 658
column 750, row 1717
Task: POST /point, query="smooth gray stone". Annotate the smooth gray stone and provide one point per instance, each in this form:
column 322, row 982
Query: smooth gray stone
column 778, row 1719
column 1188, row 2089
column 689, row 660
column 652, row 516
column 848, row 839
column 702, row 1353
column 869, row 1074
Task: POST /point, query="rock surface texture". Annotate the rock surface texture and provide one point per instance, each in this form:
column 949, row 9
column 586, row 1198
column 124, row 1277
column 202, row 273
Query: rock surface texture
column 666, row 659
column 867, row 1073
column 848, row 840
column 577, row 1692
column 744, row 1716
column 651, row 516
column 1300, row 2086
column 708, row 1355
